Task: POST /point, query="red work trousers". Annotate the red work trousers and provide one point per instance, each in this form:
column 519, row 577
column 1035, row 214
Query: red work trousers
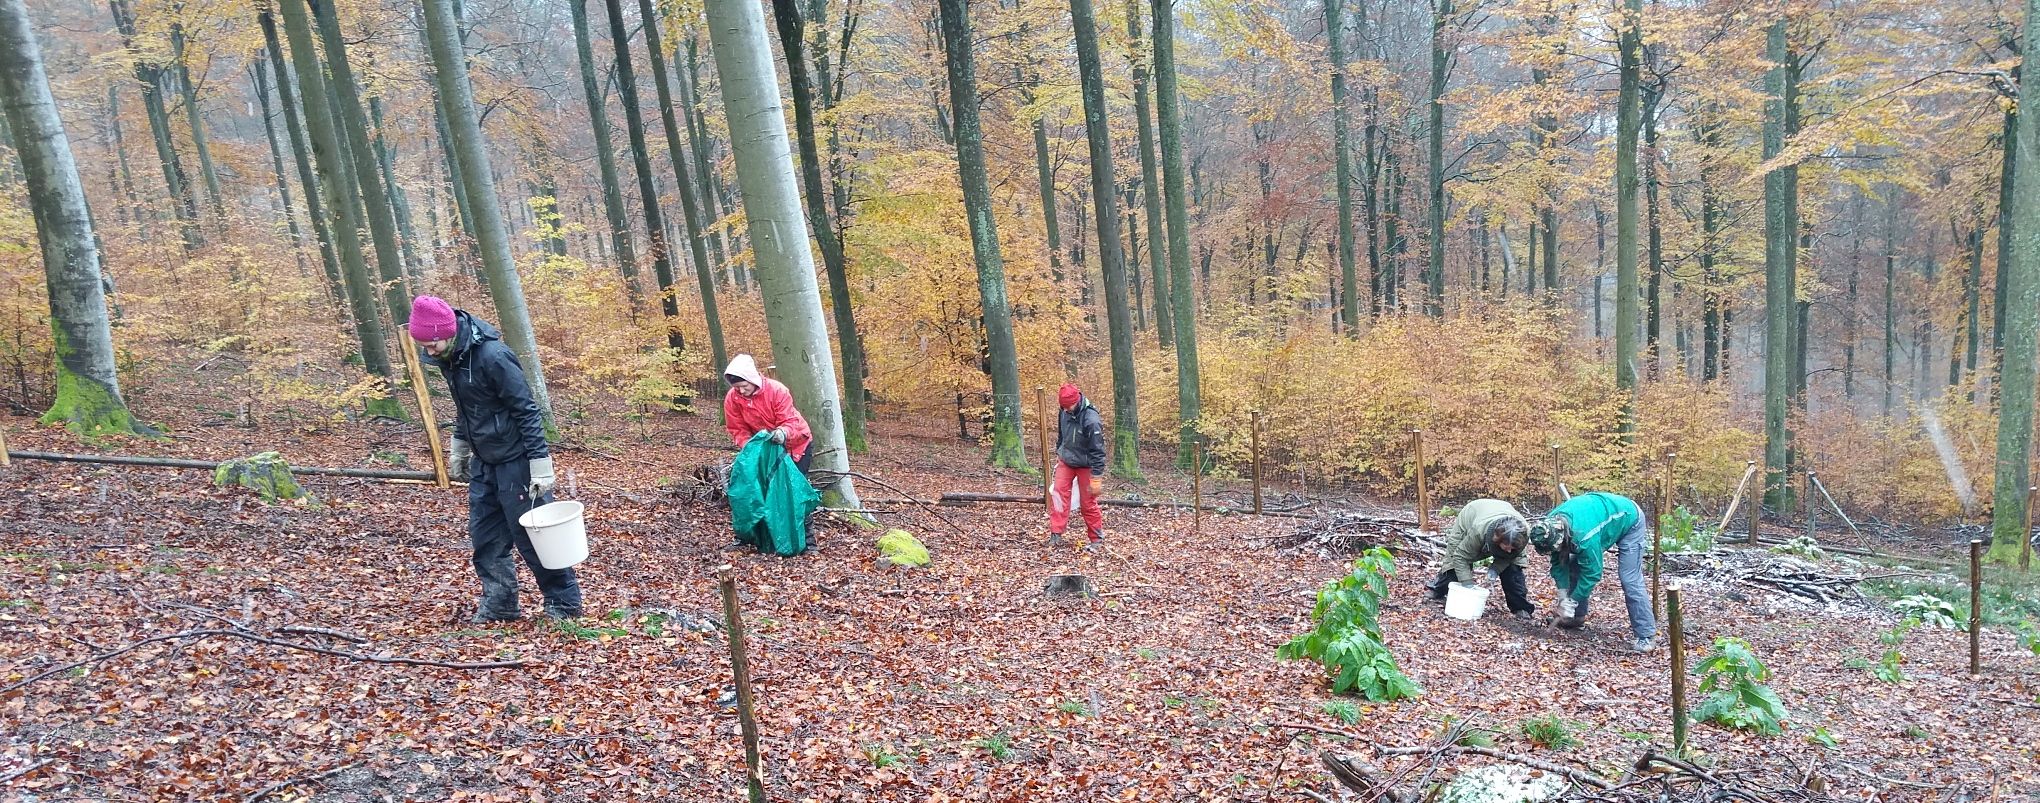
column 1076, row 481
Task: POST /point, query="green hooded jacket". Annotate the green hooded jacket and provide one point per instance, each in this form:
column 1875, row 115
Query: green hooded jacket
column 1597, row 521
column 1469, row 539
column 769, row 498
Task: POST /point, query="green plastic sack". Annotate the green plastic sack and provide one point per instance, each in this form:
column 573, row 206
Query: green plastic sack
column 770, row 499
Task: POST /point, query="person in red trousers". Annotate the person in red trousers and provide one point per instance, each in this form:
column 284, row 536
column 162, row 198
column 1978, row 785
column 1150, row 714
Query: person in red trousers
column 1080, row 459
column 756, row 404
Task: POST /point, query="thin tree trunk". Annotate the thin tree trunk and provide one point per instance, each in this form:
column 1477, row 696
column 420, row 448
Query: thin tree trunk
column 1370, row 201
column 1391, row 227
column 1150, row 182
column 382, row 222
column 150, row 76
column 772, row 211
column 88, row 399
column 194, row 115
column 400, row 201
column 315, row 208
column 1849, row 304
column 1441, row 63
column 1707, row 130
column 341, row 196
column 1629, row 123
column 450, row 73
column 1125, row 401
column 641, row 159
column 605, row 160
column 1781, row 196
column 1891, row 295
column 2009, row 534
column 1654, row 239
column 699, row 144
column 1189, row 393
column 297, row 238
column 2007, row 170
column 690, row 207
column 1972, row 286
column 130, row 201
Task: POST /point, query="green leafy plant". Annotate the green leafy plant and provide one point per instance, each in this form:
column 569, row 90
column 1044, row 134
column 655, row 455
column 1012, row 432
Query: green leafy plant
column 1344, row 710
column 574, row 628
column 1916, row 732
column 2029, row 636
column 1822, row 737
column 1550, row 732
column 999, row 745
column 882, row 756
column 1732, row 678
column 1887, row 668
column 1682, row 531
column 1801, row 546
column 1927, row 609
column 1348, row 640
column 1076, row 707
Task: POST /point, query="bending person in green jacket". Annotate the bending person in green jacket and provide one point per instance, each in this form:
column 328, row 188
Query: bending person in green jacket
column 1488, row 528
column 1577, row 535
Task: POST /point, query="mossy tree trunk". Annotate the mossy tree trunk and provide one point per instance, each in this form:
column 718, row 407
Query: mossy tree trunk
column 1781, row 250
column 690, row 207
column 2022, row 332
column 88, row 399
column 1004, row 363
column 1169, row 121
column 1111, row 258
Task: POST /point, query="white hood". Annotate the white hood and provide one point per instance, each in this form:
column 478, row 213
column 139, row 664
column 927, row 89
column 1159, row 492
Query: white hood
column 745, row 368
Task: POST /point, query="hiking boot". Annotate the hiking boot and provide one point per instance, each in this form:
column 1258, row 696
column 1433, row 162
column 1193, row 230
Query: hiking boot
column 1643, row 644
column 483, row 617
column 1054, row 538
column 562, row 614
column 1522, row 616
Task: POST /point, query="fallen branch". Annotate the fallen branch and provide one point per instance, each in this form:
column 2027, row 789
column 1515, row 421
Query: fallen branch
column 286, row 784
column 321, row 631
column 9, row 777
column 1651, row 756
column 174, row 462
column 243, row 634
column 1568, row 773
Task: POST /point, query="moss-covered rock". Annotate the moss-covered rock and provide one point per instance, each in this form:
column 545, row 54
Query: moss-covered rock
column 901, row 548
column 266, row 474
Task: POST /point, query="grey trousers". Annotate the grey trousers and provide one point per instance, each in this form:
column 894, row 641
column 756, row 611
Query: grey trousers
column 1635, row 588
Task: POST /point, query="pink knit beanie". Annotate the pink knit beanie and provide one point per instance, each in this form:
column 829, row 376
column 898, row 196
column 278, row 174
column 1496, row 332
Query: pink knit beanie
column 431, row 319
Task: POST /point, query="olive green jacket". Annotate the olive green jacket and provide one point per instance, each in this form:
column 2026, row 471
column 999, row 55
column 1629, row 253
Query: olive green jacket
column 1468, row 538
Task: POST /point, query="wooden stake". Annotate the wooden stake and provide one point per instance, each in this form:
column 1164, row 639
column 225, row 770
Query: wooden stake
column 1557, row 478
column 1749, row 470
column 1812, row 510
column 740, row 670
column 1254, row 444
column 5, row 461
column 1657, row 551
column 1197, row 490
column 1975, row 606
column 1047, row 460
column 1678, row 646
column 2025, row 545
column 1423, row 491
column 411, row 361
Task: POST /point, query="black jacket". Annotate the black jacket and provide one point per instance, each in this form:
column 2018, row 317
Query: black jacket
column 1080, row 437
column 496, row 414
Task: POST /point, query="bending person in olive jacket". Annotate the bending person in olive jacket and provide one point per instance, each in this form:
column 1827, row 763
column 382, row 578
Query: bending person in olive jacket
column 499, row 448
column 1488, row 528
column 1577, row 535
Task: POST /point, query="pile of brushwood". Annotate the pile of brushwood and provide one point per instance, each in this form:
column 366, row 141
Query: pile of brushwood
column 1344, row 533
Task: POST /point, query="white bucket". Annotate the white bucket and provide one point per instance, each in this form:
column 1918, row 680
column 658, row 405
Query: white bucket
column 1465, row 601
column 557, row 533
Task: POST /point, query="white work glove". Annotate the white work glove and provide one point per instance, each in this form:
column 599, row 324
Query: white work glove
column 778, row 435
column 1567, row 607
column 457, row 459
column 541, row 477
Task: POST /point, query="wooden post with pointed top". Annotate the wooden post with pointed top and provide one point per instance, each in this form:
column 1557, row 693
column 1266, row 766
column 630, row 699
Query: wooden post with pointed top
column 1812, row 509
column 1254, row 445
column 411, row 362
column 2025, row 548
column 1047, row 459
column 1197, row 491
column 1657, row 552
column 1749, row 470
column 6, row 461
column 1557, row 478
column 1677, row 626
column 740, row 672
column 1975, row 606
column 1423, row 491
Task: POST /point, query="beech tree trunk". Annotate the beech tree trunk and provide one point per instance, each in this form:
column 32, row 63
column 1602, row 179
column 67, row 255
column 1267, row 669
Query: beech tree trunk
column 1441, row 65
column 194, row 115
column 1125, row 455
column 648, row 192
column 1629, row 123
column 605, row 159
column 449, row 64
column 2022, row 329
column 1781, row 230
column 88, row 399
column 1169, row 121
column 183, row 201
column 297, row 237
column 1150, row 182
column 375, row 198
column 778, row 234
column 300, row 148
column 690, row 208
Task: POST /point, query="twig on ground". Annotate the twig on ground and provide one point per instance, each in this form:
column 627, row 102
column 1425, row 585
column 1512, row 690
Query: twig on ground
column 243, row 634
column 1568, row 773
column 303, row 779
column 9, row 777
column 1868, row 774
column 321, row 631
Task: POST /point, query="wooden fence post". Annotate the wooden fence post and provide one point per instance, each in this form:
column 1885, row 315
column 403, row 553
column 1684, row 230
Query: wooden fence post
column 410, row 349
column 1975, row 606
column 1678, row 646
column 740, row 671
column 5, row 461
column 1047, row 460
column 1423, row 491
column 1657, row 552
column 1254, row 444
column 1749, row 470
column 1812, row 510
column 2025, row 546
column 1557, row 478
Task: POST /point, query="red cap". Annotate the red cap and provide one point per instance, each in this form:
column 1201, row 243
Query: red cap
column 1069, row 396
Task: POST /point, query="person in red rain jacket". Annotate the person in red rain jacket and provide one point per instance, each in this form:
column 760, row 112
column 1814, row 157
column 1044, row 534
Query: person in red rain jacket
column 1079, row 462
column 756, row 404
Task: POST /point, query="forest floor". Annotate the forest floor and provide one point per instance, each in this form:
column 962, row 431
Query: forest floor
column 957, row 682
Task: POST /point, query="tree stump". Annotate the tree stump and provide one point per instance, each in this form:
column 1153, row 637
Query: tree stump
column 266, row 474
column 1068, row 585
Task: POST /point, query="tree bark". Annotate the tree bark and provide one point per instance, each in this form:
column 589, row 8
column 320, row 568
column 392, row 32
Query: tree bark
column 605, row 159
column 183, row 201
column 1849, row 296
column 1628, row 125
column 2022, row 328
column 772, row 211
column 315, row 208
column 1125, row 460
column 1654, row 239
column 1891, row 295
column 297, row 237
column 2007, row 170
column 700, row 144
column 690, row 207
column 400, row 201
column 449, row 64
column 1781, row 197
column 1189, row 394
column 88, row 399
column 1441, row 65
column 1151, row 185
column 194, row 115
column 375, row 199
column 1044, row 176
column 648, row 192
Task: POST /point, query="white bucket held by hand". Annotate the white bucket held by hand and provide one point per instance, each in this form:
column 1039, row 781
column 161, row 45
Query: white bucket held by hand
column 557, row 532
column 1465, row 601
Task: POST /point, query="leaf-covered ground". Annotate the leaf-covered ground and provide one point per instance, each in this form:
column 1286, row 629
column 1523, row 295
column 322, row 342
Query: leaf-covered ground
column 957, row 682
